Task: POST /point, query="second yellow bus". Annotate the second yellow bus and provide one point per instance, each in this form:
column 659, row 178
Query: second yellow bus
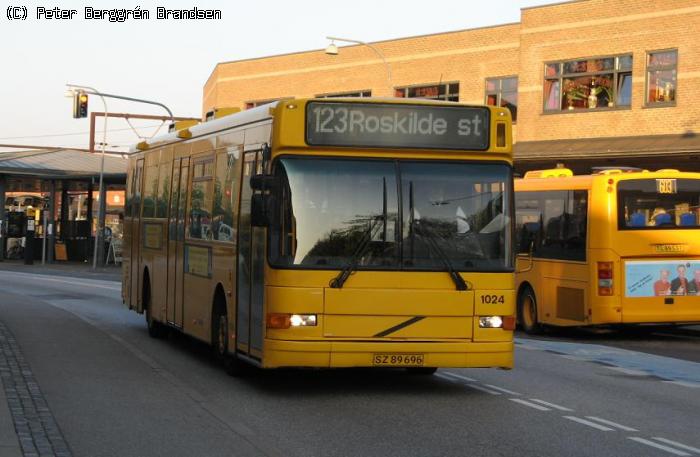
column 615, row 247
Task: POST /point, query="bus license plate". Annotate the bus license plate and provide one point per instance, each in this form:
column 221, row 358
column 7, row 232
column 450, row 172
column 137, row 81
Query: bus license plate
column 398, row 360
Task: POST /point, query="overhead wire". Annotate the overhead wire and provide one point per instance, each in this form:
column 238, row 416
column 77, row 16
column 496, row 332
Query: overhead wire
column 78, row 133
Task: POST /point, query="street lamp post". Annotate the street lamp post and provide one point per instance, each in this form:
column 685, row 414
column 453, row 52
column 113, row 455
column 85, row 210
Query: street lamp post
column 99, row 233
column 103, row 204
column 332, row 50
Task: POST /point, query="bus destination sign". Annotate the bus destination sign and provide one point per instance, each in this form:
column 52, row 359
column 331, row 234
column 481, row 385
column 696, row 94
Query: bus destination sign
column 379, row 125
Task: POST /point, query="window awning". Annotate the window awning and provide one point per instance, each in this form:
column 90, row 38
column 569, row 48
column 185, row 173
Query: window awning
column 614, row 147
column 61, row 163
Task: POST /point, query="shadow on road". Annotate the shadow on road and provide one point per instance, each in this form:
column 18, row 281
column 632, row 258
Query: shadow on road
column 325, row 382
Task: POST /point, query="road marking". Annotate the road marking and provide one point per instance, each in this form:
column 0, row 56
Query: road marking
column 531, row 405
column 575, row 358
column 692, row 385
column 551, row 405
column 658, row 446
column 677, row 444
column 463, row 378
column 612, row 424
column 526, row 346
column 589, row 423
column 483, row 389
column 629, row 371
column 501, row 389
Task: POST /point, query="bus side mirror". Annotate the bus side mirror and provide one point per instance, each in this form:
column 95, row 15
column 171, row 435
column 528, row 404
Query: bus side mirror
column 258, row 213
column 265, row 182
column 263, row 210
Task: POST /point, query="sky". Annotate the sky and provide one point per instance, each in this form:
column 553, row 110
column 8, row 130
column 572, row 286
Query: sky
column 169, row 61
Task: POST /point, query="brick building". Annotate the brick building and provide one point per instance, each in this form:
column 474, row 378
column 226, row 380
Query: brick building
column 592, row 82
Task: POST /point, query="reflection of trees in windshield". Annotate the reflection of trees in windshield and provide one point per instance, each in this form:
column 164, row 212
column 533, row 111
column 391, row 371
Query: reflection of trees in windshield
column 460, row 207
column 338, row 245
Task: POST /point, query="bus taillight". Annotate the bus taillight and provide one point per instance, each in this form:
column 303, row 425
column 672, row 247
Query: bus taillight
column 605, row 278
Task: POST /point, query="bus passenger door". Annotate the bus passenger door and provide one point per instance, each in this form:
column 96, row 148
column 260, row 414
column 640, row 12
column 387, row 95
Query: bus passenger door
column 135, row 259
column 176, row 238
column 251, row 264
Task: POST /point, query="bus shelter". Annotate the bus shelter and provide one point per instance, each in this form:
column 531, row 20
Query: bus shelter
column 56, row 193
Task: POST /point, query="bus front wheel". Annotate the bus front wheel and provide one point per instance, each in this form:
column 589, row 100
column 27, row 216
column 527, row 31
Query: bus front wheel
column 232, row 364
column 527, row 312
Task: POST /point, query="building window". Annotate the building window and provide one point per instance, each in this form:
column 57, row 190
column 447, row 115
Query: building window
column 661, row 77
column 503, row 92
column 604, row 82
column 444, row 91
column 360, row 94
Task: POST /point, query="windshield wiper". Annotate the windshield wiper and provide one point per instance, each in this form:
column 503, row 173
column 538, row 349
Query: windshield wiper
column 361, row 249
column 460, row 284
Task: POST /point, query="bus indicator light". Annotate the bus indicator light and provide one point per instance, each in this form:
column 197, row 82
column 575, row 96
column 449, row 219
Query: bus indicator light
column 605, row 278
column 278, row 321
column 508, row 322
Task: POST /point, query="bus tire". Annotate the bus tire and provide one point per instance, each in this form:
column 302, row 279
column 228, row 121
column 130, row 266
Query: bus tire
column 527, row 312
column 219, row 341
column 155, row 328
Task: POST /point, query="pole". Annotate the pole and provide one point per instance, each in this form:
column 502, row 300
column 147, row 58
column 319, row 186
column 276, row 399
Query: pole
column 2, row 217
column 51, row 222
column 376, row 51
column 43, row 240
column 100, row 217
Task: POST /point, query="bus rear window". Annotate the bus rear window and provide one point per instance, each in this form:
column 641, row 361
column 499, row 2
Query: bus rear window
column 652, row 204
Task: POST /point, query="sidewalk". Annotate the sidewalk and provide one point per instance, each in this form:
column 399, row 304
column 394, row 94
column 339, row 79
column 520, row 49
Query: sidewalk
column 75, row 269
column 9, row 444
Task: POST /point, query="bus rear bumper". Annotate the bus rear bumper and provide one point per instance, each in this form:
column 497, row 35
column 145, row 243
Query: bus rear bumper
column 343, row 354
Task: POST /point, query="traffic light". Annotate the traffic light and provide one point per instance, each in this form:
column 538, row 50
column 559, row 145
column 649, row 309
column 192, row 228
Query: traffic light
column 80, row 105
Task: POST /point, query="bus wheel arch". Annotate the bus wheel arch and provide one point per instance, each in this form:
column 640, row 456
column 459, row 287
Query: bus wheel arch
column 155, row 329
column 219, row 322
column 220, row 337
column 527, row 309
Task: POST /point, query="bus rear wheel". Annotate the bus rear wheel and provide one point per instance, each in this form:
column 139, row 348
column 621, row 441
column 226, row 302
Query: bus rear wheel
column 527, row 312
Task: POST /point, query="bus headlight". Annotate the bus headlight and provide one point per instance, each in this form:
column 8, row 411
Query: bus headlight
column 491, row 322
column 283, row 320
column 302, row 320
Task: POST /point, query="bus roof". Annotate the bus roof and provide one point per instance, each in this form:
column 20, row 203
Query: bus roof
column 249, row 116
column 557, row 179
column 266, row 111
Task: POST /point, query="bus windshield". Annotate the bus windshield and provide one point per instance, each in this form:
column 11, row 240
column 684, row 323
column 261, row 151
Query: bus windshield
column 389, row 214
column 648, row 204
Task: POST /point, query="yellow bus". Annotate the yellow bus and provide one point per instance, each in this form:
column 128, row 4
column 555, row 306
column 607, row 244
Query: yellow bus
column 620, row 246
column 329, row 233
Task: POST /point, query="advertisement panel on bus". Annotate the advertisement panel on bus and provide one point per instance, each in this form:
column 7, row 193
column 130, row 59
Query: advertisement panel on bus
column 662, row 277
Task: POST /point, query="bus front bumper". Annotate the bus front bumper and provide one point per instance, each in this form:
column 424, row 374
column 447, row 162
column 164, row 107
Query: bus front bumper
column 343, row 354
